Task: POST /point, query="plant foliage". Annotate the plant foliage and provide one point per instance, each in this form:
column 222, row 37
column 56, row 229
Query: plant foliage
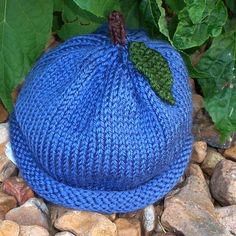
column 189, row 25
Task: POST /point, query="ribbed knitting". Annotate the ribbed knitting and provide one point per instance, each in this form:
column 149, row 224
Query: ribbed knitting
column 88, row 132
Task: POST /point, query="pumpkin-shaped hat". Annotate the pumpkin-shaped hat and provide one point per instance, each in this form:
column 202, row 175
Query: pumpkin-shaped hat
column 104, row 125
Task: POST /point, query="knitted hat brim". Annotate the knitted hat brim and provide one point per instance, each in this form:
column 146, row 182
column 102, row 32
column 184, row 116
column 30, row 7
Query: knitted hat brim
column 93, row 200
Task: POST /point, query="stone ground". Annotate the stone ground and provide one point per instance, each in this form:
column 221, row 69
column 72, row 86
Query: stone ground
column 202, row 204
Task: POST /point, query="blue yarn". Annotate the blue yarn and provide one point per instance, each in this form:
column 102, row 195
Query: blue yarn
column 88, row 132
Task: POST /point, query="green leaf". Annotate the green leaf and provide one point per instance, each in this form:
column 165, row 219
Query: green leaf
column 25, row 28
column 100, row 8
column 231, row 4
column 193, row 72
column 219, row 84
column 153, row 15
column 58, row 5
column 175, row 5
column 57, row 21
column 150, row 12
column 130, row 10
column 162, row 23
column 230, row 25
column 77, row 21
column 154, row 67
column 198, row 21
column 150, row 15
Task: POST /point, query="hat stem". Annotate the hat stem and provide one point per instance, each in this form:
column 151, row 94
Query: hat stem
column 117, row 27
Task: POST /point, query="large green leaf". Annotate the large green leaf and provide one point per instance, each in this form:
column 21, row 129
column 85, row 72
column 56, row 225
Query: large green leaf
column 57, row 5
column 162, row 22
column 25, row 27
column 231, row 4
column 150, row 12
column 77, row 21
column 130, row 10
column 219, row 84
column 153, row 16
column 100, row 8
column 175, row 5
column 199, row 20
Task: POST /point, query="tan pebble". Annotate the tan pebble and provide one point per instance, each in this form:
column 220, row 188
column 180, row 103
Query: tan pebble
column 64, row 234
column 199, row 151
column 18, row 188
column 128, row 227
column 6, row 203
column 231, row 153
column 223, row 183
column 86, row 224
column 33, row 230
column 7, row 168
column 33, row 212
column 9, row 228
column 211, row 160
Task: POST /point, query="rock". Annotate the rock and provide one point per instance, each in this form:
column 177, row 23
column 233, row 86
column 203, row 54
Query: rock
column 149, row 218
column 231, row 153
column 159, row 228
column 128, row 227
column 7, row 168
column 132, row 215
column 195, row 170
column 64, row 234
column 165, row 234
column 9, row 153
column 4, row 135
column 56, row 211
column 2, row 148
column 111, row 217
column 33, row 212
column 211, row 160
column 6, row 203
column 159, row 210
column 33, row 230
column 228, row 217
column 9, row 228
column 3, row 113
column 199, row 151
column 17, row 187
column 190, row 211
column 197, row 103
column 86, row 224
column 192, row 85
column 203, row 129
column 223, row 183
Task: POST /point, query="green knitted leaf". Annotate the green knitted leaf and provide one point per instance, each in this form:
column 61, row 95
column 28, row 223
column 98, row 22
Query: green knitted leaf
column 155, row 68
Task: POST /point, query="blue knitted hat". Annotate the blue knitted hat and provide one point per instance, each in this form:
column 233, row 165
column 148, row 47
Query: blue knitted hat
column 89, row 132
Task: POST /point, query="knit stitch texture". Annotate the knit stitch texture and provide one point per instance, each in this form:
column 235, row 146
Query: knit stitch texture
column 88, row 131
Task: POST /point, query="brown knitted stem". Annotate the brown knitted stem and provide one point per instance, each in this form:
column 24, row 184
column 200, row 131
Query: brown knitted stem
column 116, row 27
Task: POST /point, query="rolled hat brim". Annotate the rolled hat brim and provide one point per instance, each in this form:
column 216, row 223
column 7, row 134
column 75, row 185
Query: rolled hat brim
column 93, row 200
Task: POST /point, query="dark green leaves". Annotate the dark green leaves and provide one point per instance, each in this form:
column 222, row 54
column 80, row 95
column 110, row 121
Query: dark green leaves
column 77, row 21
column 219, row 84
column 152, row 16
column 100, row 8
column 130, row 10
column 199, row 20
column 84, row 17
column 231, row 4
column 154, row 67
column 25, row 27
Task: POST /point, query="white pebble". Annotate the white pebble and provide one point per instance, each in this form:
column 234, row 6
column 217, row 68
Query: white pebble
column 149, row 218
